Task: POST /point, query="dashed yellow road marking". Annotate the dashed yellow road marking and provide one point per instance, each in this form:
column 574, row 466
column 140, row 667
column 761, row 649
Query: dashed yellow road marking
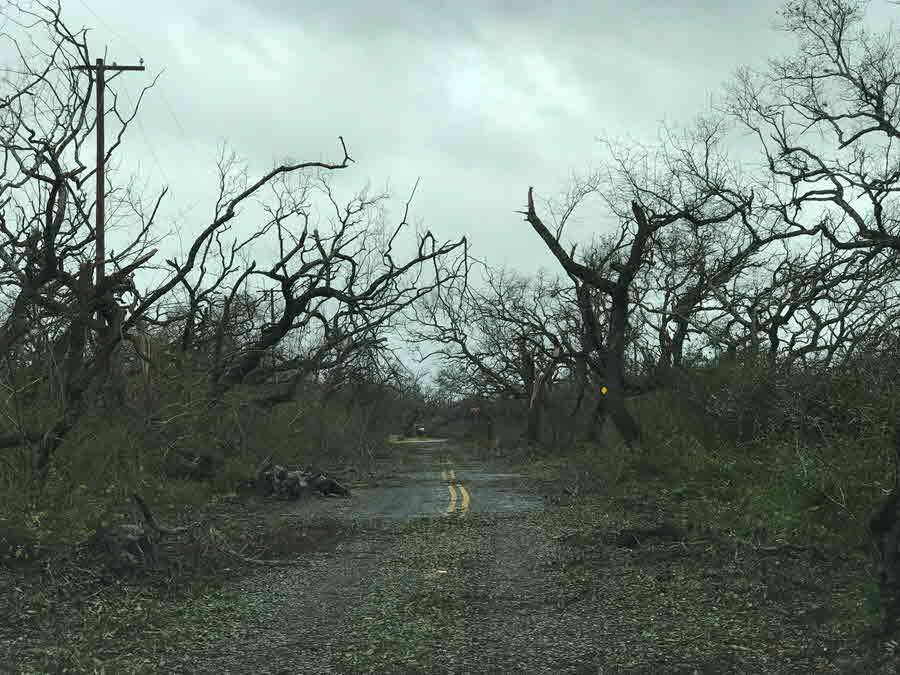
column 459, row 496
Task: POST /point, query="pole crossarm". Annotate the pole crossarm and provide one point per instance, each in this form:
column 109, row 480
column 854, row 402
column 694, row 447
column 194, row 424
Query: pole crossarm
column 107, row 66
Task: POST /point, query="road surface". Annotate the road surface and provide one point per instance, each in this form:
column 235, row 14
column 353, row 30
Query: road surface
column 441, row 483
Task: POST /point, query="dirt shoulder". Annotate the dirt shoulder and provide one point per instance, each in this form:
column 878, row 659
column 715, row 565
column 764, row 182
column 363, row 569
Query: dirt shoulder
column 402, row 579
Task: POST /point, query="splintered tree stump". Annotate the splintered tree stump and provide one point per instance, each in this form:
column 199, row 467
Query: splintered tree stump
column 129, row 546
column 126, row 546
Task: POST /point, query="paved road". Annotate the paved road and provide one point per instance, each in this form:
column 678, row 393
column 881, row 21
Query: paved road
column 440, row 485
column 425, row 538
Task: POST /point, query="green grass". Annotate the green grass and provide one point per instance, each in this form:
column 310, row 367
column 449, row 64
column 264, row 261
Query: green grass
column 776, row 489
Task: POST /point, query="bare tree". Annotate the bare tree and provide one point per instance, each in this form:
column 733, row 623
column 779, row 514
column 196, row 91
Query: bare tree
column 501, row 340
column 349, row 273
column 827, row 121
column 349, row 277
column 815, row 304
column 693, row 185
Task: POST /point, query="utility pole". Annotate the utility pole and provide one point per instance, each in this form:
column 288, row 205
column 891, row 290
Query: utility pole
column 271, row 293
column 100, row 67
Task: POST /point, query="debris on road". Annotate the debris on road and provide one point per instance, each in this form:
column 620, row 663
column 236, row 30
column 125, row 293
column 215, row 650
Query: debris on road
column 276, row 480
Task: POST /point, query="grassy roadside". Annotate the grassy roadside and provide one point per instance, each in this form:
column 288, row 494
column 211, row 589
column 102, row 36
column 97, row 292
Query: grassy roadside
column 70, row 613
column 626, row 572
column 690, row 554
column 770, row 535
column 64, row 609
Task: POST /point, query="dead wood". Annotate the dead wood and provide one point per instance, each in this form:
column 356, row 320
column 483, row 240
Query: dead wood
column 276, row 480
column 219, row 539
column 129, row 546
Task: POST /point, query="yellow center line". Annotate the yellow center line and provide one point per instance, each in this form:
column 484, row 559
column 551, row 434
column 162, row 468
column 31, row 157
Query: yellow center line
column 464, row 507
column 452, row 505
column 459, row 496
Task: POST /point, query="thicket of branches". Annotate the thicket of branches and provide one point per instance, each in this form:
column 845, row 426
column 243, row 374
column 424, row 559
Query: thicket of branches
column 786, row 260
column 224, row 315
column 758, row 293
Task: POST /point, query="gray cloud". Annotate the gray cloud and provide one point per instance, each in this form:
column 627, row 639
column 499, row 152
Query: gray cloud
column 479, row 99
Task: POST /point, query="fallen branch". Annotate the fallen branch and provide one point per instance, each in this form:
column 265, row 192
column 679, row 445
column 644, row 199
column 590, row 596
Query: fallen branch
column 771, row 550
column 223, row 545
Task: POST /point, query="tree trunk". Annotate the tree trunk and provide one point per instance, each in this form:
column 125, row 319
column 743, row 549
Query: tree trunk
column 615, row 370
column 533, row 425
column 598, row 417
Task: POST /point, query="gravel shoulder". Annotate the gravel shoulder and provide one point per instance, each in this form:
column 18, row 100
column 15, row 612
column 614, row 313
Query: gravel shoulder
column 391, row 597
column 557, row 590
column 411, row 576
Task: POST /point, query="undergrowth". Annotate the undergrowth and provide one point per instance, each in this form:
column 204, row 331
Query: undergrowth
column 760, row 459
column 806, row 470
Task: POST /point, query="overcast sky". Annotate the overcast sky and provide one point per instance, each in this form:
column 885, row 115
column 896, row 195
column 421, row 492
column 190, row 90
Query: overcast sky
column 479, row 99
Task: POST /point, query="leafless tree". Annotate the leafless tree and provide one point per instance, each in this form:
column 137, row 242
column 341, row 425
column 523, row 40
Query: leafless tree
column 498, row 339
column 690, row 182
column 827, row 122
column 813, row 306
column 348, row 276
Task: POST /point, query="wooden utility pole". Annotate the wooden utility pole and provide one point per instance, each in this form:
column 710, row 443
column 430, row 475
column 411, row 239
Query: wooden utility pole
column 271, row 293
column 101, row 69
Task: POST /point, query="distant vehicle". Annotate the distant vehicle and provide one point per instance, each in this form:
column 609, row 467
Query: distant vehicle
column 420, row 430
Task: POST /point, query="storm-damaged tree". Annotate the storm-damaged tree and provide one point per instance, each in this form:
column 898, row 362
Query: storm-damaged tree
column 691, row 181
column 45, row 207
column 48, row 245
column 811, row 307
column 693, row 265
column 792, row 325
column 340, row 289
column 497, row 340
column 827, row 120
column 591, row 314
column 343, row 284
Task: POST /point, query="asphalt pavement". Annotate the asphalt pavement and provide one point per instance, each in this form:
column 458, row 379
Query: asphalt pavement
column 440, row 482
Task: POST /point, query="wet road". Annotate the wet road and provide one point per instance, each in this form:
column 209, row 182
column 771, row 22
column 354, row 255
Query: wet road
column 438, row 483
column 380, row 599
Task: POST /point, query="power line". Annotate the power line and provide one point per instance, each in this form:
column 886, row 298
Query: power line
column 147, row 141
column 162, row 94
